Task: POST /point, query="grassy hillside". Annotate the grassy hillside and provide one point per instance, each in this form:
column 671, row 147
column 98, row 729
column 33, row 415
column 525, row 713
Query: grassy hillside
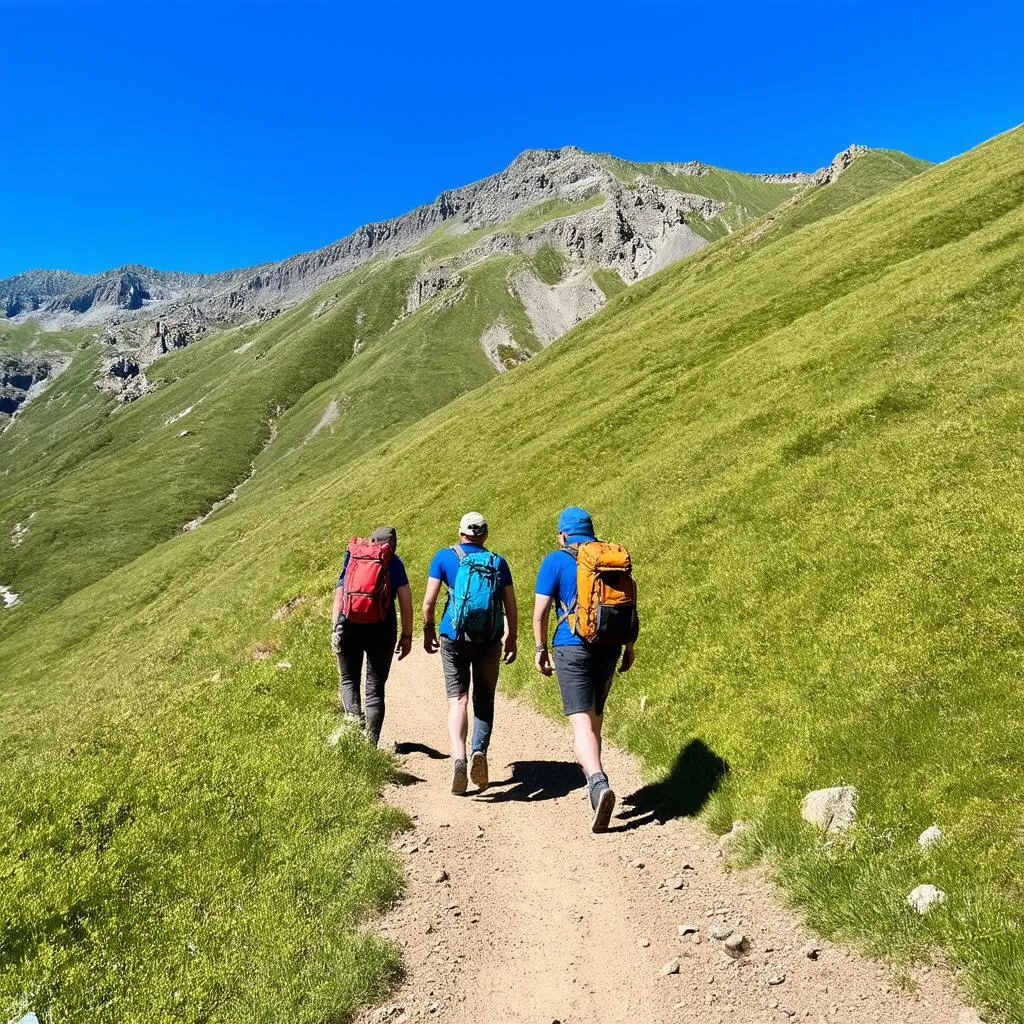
column 103, row 483
column 816, row 469
column 869, row 175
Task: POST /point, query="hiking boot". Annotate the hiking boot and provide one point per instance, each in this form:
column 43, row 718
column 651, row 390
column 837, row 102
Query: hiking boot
column 459, row 780
column 602, row 802
column 478, row 769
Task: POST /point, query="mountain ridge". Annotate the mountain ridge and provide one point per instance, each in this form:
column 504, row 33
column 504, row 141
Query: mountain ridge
column 63, row 298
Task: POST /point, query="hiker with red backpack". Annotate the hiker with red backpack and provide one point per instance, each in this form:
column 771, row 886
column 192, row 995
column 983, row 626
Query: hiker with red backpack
column 480, row 598
column 591, row 583
column 364, row 624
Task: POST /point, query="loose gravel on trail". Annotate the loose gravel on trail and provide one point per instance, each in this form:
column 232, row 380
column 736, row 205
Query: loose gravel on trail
column 514, row 911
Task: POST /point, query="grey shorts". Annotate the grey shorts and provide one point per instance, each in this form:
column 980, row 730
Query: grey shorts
column 460, row 659
column 585, row 676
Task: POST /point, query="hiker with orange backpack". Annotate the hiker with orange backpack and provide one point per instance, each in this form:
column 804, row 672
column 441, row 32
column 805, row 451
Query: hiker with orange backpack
column 592, row 585
column 480, row 598
column 364, row 624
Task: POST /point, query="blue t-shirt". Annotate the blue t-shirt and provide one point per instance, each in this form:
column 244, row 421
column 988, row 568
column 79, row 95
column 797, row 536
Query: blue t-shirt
column 444, row 566
column 396, row 573
column 557, row 579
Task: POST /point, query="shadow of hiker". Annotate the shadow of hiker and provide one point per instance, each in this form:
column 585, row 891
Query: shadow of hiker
column 420, row 748
column 536, row 780
column 697, row 772
column 403, row 778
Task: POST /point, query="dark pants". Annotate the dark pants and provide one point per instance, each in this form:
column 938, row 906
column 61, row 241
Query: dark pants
column 461, row 661
column 377, row 643
column 585, row 673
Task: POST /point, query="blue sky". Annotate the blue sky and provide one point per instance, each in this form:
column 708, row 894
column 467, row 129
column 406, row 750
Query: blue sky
column 201, row 136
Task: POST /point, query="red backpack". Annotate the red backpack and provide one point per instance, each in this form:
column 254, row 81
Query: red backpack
column 367, row 583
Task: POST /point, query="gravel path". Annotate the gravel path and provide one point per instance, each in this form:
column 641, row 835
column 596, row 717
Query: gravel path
column 514, row 911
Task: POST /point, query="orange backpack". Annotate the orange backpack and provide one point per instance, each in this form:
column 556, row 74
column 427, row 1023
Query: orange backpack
column 605, row 608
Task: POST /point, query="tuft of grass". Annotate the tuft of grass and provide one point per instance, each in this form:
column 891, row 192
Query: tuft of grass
column 609, row 282
column 551, row 209
column 549, row 264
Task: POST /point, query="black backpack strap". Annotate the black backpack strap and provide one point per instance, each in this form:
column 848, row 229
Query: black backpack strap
column 570, row 549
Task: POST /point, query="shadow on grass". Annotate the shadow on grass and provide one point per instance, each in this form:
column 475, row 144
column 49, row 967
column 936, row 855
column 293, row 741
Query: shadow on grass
column 420, row 748
column 536, row 780
column 697, row 772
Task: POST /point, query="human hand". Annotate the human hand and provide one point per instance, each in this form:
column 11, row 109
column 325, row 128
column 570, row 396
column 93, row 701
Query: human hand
column 511, row 649
column 543, row 662
column 336, row 637
column 430, row 642
column 628, row 657
column 404, row 646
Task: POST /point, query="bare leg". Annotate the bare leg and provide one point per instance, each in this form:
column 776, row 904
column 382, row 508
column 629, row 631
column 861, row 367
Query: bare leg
column 586, row 732
column 458, row 725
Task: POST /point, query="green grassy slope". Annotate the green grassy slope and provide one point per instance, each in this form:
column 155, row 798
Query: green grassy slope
column 816, row 469
column 76, row 459
column 128, row 471
column 870, row 174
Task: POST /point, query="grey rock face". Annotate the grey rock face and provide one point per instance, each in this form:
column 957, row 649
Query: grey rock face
column 431, row 282
column 23, row 377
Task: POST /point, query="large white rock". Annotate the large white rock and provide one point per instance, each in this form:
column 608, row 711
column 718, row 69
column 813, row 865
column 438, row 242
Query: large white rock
column 924, row 897
column 929, row 837
column 832, row 809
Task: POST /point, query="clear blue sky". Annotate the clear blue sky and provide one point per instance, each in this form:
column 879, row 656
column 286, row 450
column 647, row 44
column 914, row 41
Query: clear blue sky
column 201, row 136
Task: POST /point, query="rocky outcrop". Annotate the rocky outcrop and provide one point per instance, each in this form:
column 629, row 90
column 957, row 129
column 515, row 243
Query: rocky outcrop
column 122, row 376
column 840, row 162
column 429, row 283
column 627, row 232
column 501, row 348
column 24, row 377
column 692, row 168
column 823, row 176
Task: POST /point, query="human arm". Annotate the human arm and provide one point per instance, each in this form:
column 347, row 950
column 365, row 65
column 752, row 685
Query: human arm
column 404, row 645
column 430, row 641
column 541, row 612
column 339, row 597
column 508, row 597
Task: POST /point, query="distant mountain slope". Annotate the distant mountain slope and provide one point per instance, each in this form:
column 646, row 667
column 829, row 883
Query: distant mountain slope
column 537, row 176
column 354, row 364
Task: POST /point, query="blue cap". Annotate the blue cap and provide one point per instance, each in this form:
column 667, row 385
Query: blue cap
column 575, row 521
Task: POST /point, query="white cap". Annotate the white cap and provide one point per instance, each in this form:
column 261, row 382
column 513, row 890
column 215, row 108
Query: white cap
column 472, row 524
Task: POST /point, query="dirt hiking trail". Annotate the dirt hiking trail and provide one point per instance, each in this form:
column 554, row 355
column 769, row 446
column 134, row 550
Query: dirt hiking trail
column 515, row 911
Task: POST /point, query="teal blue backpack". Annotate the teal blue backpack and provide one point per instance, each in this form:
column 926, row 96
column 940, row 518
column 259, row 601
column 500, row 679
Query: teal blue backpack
column 476, row 606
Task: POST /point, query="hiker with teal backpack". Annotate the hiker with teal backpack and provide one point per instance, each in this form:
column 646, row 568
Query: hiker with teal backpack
column 591, row 584
column 480, row 599
column 364, row 624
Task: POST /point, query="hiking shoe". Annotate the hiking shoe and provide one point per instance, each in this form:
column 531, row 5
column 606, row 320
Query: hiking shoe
column 478, row 769
column 459, row 780
column 602, row 801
